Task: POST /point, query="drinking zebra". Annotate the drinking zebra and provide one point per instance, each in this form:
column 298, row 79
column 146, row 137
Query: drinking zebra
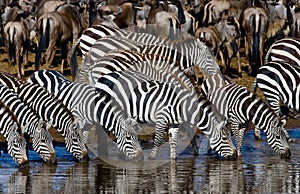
column 240, row 106
column 11, row 129
column 167, row 106
column 279, row 82
column 31, row 124
column 286, row 49
column 51, row 110
column 91, row 107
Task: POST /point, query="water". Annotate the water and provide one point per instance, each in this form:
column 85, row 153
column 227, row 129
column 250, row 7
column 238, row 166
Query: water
column 259, row 170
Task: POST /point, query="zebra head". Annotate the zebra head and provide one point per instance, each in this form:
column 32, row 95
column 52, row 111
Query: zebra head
column 17, row 148
column 277, row 139
column 75, row 142
column 219, row 135
column 42, row 142
column 127, row 140
column 221, row 142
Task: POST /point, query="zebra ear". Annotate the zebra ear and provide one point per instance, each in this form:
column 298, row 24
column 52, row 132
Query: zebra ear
column 49, row 124
column 80, row 123
column 25, row 127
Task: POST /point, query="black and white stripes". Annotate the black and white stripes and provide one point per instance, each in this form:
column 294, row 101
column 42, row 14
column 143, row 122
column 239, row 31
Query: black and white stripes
column 92, row 108
column 168, row 106
column 241, row 107
column 51, row 110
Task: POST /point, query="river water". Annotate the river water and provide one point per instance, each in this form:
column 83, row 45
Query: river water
column 259, row 170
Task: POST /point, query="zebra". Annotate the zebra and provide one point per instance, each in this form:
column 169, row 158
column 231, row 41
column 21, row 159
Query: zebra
column 167, row 106
column 240, row 106
column 31, row 124
column 189, row 46
column 286, row 49
column 87, row 105
column 279, row 82
column 51, row 110
column 11, row 129
column 120, row 59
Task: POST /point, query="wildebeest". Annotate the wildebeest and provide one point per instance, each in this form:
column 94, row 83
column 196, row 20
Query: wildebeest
column 165, row 22
column 106, row 14
column 57, row 28
column 213, row 11
column 254, row 23
column 229, row 29
column 17, row 42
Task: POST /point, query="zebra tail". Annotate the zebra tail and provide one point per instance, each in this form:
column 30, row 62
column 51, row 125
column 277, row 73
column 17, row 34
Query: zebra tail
column 73, row 59
column 181, row 15
column 255, row 61
column 296, row 29
column 11, row 45
column 254, row 86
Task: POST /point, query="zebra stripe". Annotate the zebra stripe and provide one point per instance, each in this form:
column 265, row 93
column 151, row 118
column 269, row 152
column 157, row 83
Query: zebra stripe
column 167, row 106
column 279, row 82
column 11, row 129
column 50, row 109
column 286, row 49
column 92, row 108
column 240, row 106
column 31, row 124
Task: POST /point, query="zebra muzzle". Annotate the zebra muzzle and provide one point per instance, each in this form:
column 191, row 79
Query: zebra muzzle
column 52, row 159
column 287, row 153
column 24, row 163
column 139, row 156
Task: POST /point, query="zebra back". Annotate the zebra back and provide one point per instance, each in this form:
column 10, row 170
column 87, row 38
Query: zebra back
column 286, row 49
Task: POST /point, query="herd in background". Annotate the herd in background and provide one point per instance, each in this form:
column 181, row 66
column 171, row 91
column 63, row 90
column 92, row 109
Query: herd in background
column 138, row 67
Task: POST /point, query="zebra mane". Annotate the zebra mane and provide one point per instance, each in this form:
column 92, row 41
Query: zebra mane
column 11, row 114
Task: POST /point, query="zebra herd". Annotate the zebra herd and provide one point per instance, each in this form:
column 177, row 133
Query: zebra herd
column 128, row 78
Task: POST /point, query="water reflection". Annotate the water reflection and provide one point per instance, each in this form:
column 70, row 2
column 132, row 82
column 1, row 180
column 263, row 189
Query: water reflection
column 259, row 170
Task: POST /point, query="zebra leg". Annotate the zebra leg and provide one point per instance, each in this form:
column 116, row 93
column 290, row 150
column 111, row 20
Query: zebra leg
column 173, row 135
column 194, row 145
column 159, row 138
column 237, row 137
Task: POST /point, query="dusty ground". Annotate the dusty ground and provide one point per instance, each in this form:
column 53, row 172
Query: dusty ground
column 245, row 80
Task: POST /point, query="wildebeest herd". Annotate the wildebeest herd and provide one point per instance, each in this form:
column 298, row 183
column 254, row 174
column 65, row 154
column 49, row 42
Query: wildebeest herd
column 141, row 62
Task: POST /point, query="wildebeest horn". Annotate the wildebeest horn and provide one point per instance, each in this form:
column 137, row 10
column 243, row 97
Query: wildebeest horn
column 119, row 12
